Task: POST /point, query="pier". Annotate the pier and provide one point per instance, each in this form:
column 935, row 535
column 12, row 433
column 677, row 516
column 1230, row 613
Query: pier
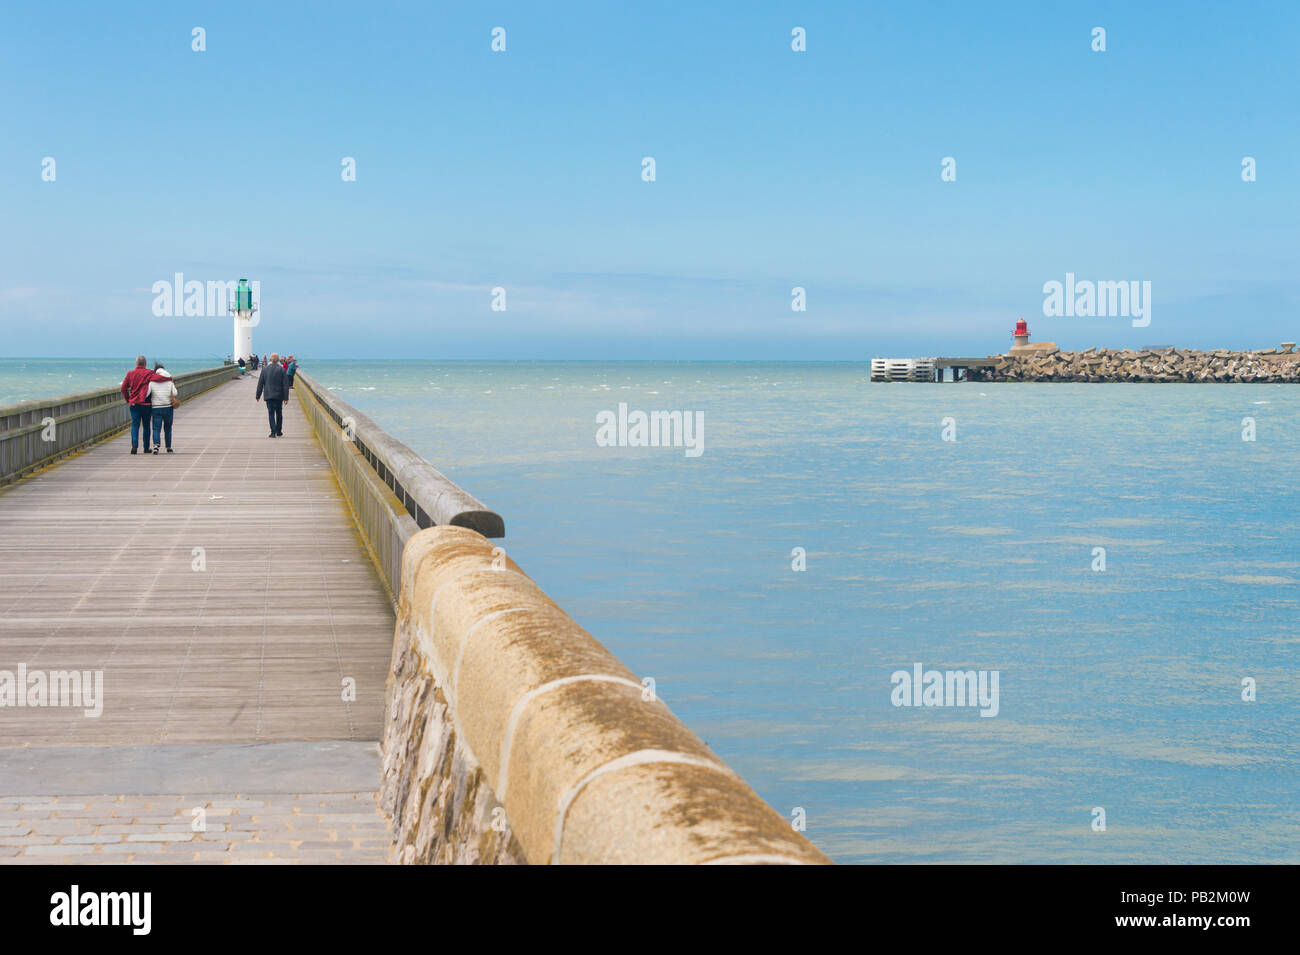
column 931, row 369
column 225, row 594
column 309, row 649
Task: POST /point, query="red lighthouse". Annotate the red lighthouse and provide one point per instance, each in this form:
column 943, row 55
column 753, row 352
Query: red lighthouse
column 1022, row 332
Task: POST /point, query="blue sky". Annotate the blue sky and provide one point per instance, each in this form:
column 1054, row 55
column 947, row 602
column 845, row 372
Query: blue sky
column 522, row 170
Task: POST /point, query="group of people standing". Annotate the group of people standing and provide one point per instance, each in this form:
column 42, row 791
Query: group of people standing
column 153, row 398
column 252, row 363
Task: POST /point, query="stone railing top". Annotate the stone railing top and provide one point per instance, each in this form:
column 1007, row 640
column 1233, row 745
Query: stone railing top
column 589, row 764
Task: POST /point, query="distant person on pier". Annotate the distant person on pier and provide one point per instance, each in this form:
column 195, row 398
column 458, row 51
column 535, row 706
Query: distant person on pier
column 252, row 362
column 291, row 369
column 165, row 398
column 135, row 389
column 272, row 386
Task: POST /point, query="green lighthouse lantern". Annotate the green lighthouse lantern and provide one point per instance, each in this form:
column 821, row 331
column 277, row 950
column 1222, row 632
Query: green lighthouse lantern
column 243, row 297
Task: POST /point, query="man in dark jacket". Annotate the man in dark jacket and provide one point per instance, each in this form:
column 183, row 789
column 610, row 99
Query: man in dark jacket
column 272, row 386
column 135, row 389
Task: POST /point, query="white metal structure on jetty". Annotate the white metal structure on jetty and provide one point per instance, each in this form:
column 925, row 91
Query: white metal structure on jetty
column 902, row 369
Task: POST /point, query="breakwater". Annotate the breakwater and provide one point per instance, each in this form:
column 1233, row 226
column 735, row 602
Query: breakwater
column 1271, row 365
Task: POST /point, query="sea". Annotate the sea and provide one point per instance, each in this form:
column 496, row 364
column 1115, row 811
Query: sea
column 1122, row 559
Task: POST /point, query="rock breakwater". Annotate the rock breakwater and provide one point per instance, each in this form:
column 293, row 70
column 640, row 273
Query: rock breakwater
column 1272, row 365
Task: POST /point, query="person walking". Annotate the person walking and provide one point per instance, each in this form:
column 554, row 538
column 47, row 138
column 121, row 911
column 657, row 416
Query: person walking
column 135, row 389
column 164, row 398
column 272, row 386
column 291, row 369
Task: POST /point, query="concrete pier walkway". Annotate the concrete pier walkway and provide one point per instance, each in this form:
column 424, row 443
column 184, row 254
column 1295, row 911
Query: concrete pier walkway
column 225, row 595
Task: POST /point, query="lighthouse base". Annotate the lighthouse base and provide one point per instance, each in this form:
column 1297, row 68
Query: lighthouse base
column 243, row 340
column 1034, row 348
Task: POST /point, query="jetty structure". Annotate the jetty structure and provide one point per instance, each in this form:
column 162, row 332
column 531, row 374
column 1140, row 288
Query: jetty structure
column 312, row 649
column 1045, row 362
column 902, row 369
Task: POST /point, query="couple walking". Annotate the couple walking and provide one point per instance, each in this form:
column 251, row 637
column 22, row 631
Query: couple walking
column 153, row 398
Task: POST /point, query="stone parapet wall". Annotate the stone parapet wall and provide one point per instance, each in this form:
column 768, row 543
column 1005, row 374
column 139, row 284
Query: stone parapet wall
column 512, row 735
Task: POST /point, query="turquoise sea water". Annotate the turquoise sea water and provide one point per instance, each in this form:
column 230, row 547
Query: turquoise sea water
column 1119, row 689
column 22, row 379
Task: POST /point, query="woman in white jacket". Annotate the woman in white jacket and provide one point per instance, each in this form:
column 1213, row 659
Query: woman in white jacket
column 161, row 395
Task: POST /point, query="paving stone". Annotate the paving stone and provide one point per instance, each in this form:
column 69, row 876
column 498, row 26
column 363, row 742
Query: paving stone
column 58, row 850
column 261, row 862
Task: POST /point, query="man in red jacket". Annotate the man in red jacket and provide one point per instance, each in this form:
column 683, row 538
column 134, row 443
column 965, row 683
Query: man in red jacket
column 135, row 389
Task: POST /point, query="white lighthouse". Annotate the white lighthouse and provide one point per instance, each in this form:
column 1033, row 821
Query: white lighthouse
column 243, row 309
